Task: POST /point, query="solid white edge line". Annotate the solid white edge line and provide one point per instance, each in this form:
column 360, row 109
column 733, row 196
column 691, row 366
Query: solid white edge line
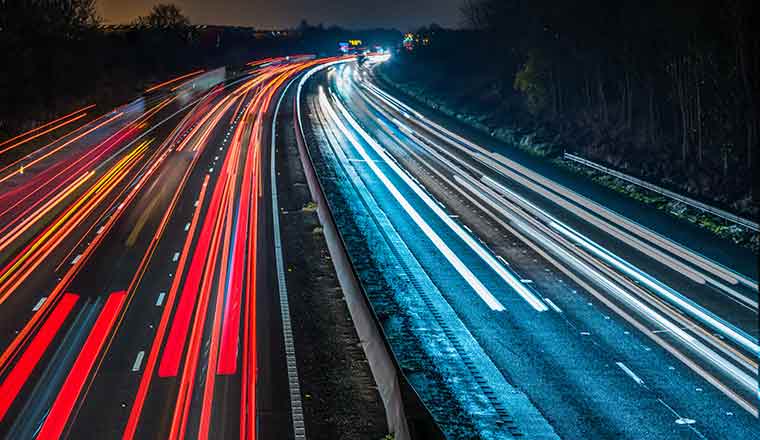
column 296, row 407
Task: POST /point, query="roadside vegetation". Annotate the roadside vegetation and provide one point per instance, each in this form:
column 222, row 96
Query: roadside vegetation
column 57, row 57
column 543, row 147
column 665, row 91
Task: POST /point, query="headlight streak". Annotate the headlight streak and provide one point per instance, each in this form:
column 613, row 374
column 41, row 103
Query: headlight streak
column 627, row 225
column 658, row 318
column 742, row 378
column 472, row 182
column 669, row 294
column 487, row 257
column 453, row 259
column 679, row 300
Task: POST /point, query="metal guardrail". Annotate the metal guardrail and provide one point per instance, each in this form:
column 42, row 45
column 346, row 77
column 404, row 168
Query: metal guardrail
column 667, row 193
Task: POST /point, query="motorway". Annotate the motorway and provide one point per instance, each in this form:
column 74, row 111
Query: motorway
column 136, row 251
column 607, row 324
column 140, row 266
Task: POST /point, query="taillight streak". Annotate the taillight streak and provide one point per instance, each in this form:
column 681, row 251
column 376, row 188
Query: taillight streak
column 65, row 144
column 35, row 252
column 18, row 376
column 32, row 324
column 187, row 381
column 44, row 209
column 170, row 360
column 35, row 185
column 208, row 388
column 46, row 125
column 62, row 124
column 64, row 404
column 142, row 391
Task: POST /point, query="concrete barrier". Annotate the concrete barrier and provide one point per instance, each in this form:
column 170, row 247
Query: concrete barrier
column 392, row 385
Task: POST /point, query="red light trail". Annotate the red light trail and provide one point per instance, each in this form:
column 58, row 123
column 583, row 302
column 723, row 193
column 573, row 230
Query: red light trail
column 211, row 302
column 38, row 346
column 173, row 80
column 36, row 129
column 59, row 414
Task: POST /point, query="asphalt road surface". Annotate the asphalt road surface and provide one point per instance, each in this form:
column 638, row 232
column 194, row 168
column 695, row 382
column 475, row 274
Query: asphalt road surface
column 582, row 300
column 138, row 291
column 138, row 285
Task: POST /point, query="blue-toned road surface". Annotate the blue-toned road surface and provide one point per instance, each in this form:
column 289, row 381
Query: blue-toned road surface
column 517, row 305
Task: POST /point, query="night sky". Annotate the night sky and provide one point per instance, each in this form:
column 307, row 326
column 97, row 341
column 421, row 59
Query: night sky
column 401, row 14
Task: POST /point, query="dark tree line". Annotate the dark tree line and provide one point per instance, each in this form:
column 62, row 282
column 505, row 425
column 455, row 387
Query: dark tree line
column 56, row 56
column 675, row 72
column 666, row 87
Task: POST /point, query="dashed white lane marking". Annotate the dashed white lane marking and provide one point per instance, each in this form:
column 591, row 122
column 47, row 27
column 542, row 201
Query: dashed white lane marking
column 685, row 421
column 175, row 257
column 195, row 204
column 100, row 229
column 187, row 226
column 526, row 281
column 160, row 299
column 138, row 361
column 552, row 305
column 39, row 303
column 630, row 373
column 74, row 261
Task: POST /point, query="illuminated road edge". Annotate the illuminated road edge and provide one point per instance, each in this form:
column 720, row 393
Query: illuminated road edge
column 476, row 391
